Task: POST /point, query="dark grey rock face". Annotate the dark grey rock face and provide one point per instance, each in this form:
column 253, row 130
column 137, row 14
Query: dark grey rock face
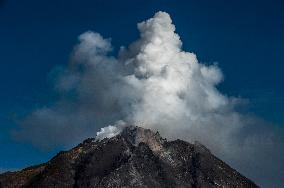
column 135, row 158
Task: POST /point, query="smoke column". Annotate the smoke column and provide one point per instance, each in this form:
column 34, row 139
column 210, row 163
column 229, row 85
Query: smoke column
column 152, row 83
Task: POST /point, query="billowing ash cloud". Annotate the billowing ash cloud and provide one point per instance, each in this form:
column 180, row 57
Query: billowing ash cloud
column 155, row 84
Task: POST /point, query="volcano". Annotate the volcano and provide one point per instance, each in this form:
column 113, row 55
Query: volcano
column 136, row 157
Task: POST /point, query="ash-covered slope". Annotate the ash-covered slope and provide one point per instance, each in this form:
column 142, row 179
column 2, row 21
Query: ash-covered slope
column 135, row 158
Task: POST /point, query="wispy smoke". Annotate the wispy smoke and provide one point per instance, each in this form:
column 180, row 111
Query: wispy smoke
column 155, row 84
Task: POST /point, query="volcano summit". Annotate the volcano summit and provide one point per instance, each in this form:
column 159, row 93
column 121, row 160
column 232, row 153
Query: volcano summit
column 136, row 157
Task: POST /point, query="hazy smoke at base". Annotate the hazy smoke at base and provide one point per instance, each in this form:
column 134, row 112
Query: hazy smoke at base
column 155, row 84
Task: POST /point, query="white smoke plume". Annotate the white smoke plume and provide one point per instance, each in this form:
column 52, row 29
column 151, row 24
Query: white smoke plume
column 107, row 132
column 155, row 84
column 111, row 130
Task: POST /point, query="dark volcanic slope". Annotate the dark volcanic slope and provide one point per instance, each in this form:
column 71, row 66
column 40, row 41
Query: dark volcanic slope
column 135, row 158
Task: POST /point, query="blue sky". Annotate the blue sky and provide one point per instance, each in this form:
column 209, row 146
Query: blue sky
column 244, row 37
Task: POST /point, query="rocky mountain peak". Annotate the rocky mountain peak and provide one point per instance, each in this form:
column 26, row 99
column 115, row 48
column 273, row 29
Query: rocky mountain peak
column 136, row 157
column 136, row 135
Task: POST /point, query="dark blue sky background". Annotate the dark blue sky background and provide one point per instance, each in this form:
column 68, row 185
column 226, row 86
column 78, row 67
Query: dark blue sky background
column 246, row 38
